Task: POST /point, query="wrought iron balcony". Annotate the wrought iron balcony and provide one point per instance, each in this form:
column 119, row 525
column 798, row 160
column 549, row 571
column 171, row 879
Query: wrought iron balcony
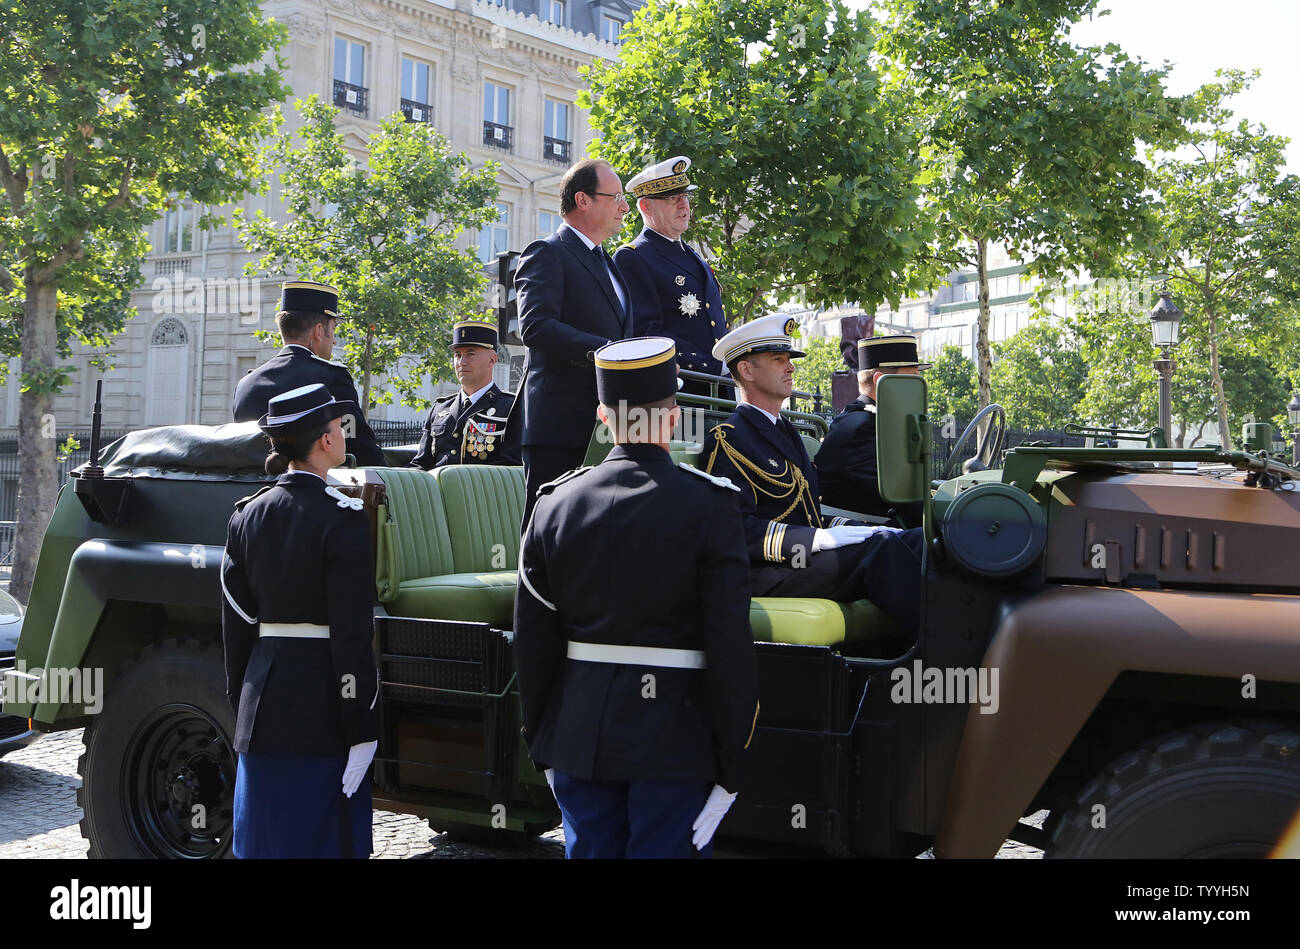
column 556, row 150
column 498, row 136
column 417, row 111
column 351, row 98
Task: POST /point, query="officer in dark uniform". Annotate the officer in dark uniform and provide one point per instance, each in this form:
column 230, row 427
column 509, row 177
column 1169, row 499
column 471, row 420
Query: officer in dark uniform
column 635, row 664
column 674, row 292
column 471, row 426
column 306, row 317
column 846, row 462
column 297, row 626
column 793, row 551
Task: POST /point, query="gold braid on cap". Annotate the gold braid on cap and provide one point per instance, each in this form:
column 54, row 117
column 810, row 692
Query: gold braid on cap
column 791, row 481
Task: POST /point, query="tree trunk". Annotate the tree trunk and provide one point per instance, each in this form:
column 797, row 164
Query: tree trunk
column 983, row 355
column 365, row 371
column 1220, row 400
column 38, row 435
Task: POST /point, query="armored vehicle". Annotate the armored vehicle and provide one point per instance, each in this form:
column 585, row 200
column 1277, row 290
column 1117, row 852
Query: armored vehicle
column 1109, row 634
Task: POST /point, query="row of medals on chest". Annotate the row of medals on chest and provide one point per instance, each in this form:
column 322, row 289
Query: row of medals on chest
column 479, row 441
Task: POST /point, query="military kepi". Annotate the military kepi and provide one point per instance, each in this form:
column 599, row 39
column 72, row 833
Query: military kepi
column 302, row 409
column 636, row 371
column 767, row 334
column 474, row 333
column 306, row 296
column 888, row 352
column 662, row 179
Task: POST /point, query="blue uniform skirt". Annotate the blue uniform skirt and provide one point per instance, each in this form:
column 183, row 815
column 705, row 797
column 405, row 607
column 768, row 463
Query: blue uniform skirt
column 293, row 806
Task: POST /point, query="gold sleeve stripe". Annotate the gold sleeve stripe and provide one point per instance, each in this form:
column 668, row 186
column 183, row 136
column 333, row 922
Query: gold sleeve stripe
column 754, row 724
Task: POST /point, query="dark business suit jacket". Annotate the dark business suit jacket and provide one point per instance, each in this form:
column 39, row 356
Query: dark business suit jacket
column 567, row 310
column 847, row 467
column 295, row 366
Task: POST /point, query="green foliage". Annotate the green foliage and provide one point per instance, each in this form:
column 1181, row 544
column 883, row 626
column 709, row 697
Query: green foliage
column 386, row 240
column 66, row 449
column 1229, row 215
column 951, row 385
column 1030, row 142
column 813, row 371
column 806, row 160
column 1039, row 375
column 111, row 106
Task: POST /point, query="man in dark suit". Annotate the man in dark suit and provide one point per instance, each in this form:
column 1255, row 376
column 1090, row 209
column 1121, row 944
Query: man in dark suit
column 636, row 668
column 674, row 291
column 846, row 463
column 793, row 551
column 306, row 317
column 471, row 426
column 572, row 300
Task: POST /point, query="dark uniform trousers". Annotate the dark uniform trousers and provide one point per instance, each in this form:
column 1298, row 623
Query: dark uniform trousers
column 847, row 467
column 291, row 368
column 295, row 556
column 480, row 433
column 675, row 294
column 781, row 512
column 635, row 747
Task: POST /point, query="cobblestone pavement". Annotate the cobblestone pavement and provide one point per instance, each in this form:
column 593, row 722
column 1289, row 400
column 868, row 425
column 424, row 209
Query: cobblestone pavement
column 39, row 815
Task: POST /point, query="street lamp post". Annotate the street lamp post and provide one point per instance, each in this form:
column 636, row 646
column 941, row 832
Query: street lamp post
column 1165, row 317
column 1293, row 416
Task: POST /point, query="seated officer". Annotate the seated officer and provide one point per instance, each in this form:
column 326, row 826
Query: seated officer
column 792, row 551
column 306, row 317
column 637, row 678
column 471, row 426
column 846, row 462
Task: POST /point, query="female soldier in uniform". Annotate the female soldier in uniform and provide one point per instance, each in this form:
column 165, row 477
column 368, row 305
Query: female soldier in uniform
column 300, row 669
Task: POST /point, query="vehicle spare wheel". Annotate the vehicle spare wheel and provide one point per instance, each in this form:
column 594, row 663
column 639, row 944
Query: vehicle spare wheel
column 158, row 772
column 1218, row 790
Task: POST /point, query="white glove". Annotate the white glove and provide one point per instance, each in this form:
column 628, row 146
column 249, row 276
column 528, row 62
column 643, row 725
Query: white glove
column 715, row 808
column 359, row 758
column 828, row 538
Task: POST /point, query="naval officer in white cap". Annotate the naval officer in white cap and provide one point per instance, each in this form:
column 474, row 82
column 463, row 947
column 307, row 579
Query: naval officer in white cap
column 793, row 550
column 674, row 290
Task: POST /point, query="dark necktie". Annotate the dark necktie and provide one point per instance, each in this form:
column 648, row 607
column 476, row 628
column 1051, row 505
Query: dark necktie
column 608, row 271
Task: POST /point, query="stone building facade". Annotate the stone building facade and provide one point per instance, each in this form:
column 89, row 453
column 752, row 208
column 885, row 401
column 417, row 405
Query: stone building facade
column 498, row 79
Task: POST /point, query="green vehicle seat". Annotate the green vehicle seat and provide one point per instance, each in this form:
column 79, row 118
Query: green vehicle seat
column 448, row 548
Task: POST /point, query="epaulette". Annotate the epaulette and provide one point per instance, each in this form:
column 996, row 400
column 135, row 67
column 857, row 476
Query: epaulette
column 243, row 502
column 624, row 247
column 720, row 482
column 328, row 362
column 567, row 476
column 344, row 501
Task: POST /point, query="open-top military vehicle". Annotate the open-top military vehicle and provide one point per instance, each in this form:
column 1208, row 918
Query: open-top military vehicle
column 1104, row 635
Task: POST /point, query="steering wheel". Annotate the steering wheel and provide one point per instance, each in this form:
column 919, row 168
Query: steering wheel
column 988, row 447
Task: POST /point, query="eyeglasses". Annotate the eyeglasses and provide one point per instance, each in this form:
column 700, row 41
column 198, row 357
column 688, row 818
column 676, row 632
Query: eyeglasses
column 608, row 194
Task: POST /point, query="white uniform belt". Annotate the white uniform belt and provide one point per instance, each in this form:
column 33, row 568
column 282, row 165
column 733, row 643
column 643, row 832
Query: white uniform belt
column 294, row 630
column 637, row 655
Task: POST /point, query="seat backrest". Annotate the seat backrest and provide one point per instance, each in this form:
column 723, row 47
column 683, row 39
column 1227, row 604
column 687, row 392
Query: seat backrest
column 810, row 444
column 413, row 540
column 684, row 451
column 485, row 507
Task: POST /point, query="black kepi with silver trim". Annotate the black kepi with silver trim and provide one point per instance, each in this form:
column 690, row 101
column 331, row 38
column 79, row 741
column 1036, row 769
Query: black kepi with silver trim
column 636, row 371
column 302, row 409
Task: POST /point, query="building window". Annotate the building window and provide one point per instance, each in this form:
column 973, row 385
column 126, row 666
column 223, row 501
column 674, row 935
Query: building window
column 350, row 91
column 178, row 228
column 609, row 28
column 168, row 375
column 553, row 11
column 556, row 144
column 416, row 91
column 548, row 222
column 495, row 238
column 497, row 131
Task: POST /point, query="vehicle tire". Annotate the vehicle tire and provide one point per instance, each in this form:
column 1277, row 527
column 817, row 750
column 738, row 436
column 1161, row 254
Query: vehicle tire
column 158, row 772
column 1219, row 790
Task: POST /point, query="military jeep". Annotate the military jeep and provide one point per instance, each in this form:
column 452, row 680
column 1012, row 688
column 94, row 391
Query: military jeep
column 1104, row 636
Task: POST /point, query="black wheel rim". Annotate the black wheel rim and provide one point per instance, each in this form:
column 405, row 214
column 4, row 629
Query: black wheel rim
column 179, row 784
